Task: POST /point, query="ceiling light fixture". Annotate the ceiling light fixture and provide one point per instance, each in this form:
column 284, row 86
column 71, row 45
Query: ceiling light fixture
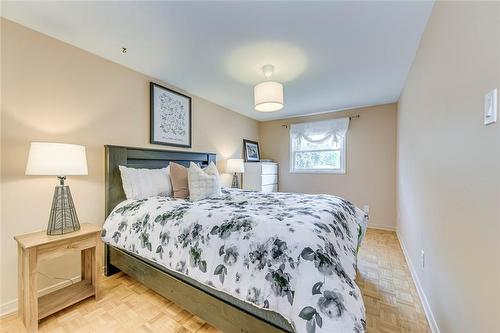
column 268, row 95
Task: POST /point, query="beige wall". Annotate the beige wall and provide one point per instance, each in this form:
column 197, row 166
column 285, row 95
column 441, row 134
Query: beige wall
column 370, row 163
column 449, row 167
column 52, row 91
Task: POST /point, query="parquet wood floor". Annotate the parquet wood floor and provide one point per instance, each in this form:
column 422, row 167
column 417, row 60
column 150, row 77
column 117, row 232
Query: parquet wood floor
column 391, row 300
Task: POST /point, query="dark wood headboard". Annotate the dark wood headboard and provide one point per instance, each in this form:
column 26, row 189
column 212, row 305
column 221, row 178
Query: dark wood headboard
column 142, row 158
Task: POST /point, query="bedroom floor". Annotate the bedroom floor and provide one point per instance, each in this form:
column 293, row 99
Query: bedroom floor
column 391, row 300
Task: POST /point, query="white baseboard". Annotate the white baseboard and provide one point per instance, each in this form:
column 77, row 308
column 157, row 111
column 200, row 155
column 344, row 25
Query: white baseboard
column 11, row 306
column 381, row 227
column 423, row 299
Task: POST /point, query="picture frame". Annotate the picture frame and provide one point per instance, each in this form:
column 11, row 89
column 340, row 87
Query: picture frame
column 251, row 151
column 170, row 117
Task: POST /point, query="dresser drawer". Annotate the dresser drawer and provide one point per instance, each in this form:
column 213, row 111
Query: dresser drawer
column 269, row 169
column 261, row 175
column 270, row 188
column 269, row 179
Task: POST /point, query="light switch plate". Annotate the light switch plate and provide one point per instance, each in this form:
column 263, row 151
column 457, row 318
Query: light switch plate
column 490, row 107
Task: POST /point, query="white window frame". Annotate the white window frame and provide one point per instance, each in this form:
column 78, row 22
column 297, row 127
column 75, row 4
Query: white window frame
column 342, row 149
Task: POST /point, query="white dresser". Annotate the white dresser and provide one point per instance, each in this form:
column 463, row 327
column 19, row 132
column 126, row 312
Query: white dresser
column 261, row 176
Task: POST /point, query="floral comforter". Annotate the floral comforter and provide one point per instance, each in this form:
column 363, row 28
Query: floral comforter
column 294, row 254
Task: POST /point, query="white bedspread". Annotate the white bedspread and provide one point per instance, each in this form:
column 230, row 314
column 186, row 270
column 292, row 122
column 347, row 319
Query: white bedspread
column 293, row 254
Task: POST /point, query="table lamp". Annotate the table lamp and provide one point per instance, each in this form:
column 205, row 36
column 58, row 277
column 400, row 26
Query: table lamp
column 61, row 160
column 234, row 166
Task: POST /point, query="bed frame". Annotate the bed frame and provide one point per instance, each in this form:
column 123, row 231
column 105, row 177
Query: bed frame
column 217, row 312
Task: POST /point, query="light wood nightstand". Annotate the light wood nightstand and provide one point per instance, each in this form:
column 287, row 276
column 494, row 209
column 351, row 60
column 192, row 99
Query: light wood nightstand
column 35, row 246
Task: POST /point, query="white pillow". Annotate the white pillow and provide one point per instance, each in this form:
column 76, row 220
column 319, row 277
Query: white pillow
column 145, row 183
column 203, row 183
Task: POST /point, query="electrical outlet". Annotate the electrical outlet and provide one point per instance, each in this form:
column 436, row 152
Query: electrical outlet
column 422, row 258
column 490, row 107
column 366, row 209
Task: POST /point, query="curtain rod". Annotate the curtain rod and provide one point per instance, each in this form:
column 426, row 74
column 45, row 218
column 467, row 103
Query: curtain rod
column 350, row 118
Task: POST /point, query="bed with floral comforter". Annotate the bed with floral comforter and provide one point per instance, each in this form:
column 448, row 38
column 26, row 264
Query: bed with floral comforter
column 294, row 254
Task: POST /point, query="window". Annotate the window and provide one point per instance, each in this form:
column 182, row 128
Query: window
column 318, row 146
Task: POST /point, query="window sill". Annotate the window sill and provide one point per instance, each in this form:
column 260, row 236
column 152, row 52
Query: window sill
column 337, row 172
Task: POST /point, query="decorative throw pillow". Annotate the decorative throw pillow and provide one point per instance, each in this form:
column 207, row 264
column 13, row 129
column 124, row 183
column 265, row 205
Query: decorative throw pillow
column 145, row 183
column 179, row 179
column 203, row 183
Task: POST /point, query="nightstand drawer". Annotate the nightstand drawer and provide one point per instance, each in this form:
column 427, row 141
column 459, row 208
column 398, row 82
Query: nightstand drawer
column 56, row 249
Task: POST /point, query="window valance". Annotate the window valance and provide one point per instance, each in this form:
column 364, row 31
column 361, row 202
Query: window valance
column 321, row 131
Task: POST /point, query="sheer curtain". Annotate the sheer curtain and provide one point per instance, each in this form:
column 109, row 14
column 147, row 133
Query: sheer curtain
column 319, row 132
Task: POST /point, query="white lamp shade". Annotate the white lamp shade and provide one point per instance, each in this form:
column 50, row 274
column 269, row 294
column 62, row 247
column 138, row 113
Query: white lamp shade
column 235, row 165
column 268, row 96
column 56, row 159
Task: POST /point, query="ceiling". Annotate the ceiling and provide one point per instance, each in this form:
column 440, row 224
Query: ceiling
column 329, row 55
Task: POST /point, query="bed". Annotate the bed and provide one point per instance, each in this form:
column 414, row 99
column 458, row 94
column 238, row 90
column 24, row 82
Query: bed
column 237, row 261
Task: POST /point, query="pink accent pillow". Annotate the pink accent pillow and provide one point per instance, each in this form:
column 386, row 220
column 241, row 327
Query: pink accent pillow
column 179, row 179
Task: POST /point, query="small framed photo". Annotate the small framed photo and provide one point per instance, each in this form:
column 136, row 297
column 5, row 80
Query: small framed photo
column 170, row 117
column 251, row 151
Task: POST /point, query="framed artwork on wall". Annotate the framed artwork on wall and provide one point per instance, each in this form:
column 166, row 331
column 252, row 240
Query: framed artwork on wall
column 251, row 151
column 170, row 117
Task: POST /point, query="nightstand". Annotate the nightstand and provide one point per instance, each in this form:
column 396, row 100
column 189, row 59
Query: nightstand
column 35, row 246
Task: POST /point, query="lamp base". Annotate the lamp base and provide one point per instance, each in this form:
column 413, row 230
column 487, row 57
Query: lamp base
column 63, row 217
column 236, row 183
